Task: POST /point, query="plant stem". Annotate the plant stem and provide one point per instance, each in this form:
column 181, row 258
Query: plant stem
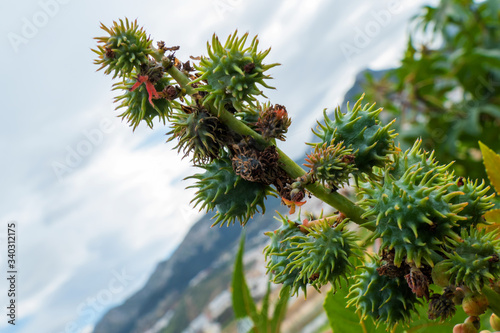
column 493, row 299
column 181, row 79
column 347, row 207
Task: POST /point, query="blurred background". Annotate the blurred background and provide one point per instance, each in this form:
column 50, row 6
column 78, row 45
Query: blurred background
column 101, row 209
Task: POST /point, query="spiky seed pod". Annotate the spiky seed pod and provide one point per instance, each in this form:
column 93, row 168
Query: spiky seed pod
column 277, row 256
column 478, row 203
column 232, row 72
column 234, row 198
column 199, row 133
column 361, row 131
column 137, row 105
column 419, row 158
column 331, row 164
column 322, row 256
column 386, row 300
column 126, row 48
column 413, row 218
column 474, row 260
column 273, row 122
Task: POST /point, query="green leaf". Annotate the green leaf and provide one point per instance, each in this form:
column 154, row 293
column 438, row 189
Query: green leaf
column 265, row 308
column 243, row 304
column 492, row 55
column 491, row 162
column 245, row 310
column 265, row 302
column 280, row 311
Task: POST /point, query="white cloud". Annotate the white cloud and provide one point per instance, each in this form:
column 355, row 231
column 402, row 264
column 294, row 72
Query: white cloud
column 118, row 205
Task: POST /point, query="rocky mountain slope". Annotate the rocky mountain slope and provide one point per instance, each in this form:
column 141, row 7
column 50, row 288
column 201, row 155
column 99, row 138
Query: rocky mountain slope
column 182, row 286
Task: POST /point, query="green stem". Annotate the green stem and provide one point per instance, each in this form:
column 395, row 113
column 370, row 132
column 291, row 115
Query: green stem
column 347, row 207
column 182, row 80
column 493, row 299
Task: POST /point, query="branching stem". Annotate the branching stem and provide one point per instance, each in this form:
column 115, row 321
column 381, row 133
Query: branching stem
column 334, row 199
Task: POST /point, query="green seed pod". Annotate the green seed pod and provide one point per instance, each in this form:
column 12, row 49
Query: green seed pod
column 419, row 159
column 478, row 203
column 415, row 218
column 232, row 72
column 126, row 48
column 137, row 105
column 234, row 198
column 440, row 277
column 332, row 164
column 322, row 256
column 199, row 133
column 474, row 260
column 277, row 256
column 360, row 130
column 385, row 300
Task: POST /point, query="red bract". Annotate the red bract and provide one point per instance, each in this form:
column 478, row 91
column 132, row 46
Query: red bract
column 149, row 87
column 292, row 204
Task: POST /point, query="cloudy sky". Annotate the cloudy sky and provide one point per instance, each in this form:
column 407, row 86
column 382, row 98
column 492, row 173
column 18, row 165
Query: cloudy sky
column 96, row 205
